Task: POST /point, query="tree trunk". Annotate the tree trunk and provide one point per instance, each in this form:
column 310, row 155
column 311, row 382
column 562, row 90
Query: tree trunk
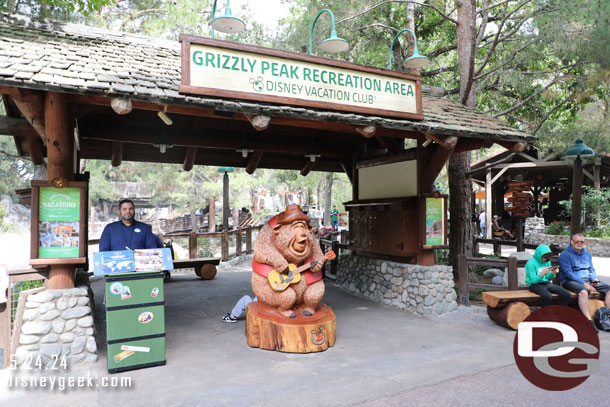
column 460, row 185
column 460, row 224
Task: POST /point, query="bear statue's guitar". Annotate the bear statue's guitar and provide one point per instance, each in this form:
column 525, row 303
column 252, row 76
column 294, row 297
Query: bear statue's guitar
column 280, row 281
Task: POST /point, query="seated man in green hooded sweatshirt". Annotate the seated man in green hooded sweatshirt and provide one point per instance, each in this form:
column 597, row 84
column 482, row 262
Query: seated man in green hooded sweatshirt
column 538, row 276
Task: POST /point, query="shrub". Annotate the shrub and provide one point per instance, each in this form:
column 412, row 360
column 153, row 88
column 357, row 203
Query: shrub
column 557, row 228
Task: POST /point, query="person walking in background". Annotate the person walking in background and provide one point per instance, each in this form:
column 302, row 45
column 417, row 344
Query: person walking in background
column 538, row 276
column 482, row 224
column 334, row 218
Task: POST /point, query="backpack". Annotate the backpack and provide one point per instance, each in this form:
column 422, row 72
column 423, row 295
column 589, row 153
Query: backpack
column 602, row 318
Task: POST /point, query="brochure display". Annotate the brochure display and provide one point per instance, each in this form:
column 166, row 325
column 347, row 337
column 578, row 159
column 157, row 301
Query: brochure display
column 122, row 261
column 135, row 321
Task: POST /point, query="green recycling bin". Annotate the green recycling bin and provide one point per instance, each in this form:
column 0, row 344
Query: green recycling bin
column 135, row 321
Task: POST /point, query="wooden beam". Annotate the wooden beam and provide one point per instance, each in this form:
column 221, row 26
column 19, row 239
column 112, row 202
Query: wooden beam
column 117, row 153
column 208, row 139
column 367, row 131
column 121, row 105
column 259, row 122
column 467, row 144
column 437, row 161
column 208, row 112
column 189, row 158
column 255, row 159
column 509, row 145
column 36, row 150
column 307, row 167
column 30, row 105
column 447, row 142
column 390, row 144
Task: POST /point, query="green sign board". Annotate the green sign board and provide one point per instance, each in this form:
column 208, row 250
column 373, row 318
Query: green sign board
column 435, row 221
column 59, row 222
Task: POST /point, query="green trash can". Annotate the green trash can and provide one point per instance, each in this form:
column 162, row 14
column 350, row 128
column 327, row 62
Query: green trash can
column 135, row 321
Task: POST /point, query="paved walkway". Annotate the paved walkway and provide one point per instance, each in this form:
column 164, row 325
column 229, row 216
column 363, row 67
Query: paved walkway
column 382, row 357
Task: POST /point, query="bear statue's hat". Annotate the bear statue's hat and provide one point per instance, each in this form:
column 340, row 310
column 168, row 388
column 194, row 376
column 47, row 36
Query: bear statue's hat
column 291, row 213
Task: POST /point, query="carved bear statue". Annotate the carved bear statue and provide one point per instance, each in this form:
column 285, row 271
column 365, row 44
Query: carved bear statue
column 287, row 239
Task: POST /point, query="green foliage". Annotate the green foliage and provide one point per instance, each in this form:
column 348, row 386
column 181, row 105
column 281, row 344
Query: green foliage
column 596, row 211
column 70, row 10
column 557, row 228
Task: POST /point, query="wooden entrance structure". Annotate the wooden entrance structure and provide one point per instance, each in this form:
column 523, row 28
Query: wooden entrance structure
column 73, row 92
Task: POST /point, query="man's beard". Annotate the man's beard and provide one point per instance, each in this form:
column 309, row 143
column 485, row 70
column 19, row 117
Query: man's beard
column 128, row 219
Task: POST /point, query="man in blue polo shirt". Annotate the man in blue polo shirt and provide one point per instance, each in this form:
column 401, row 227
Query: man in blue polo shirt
column 577, row 274
column 127, row 233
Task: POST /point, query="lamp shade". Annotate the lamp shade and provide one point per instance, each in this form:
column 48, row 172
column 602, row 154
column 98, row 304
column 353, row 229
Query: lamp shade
column 334, row 44
column 227, row 23
column 578, row 149
column 416, row 60
column 226, row 169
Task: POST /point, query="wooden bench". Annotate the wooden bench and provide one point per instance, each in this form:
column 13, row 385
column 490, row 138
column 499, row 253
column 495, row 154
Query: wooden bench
column 509, row 308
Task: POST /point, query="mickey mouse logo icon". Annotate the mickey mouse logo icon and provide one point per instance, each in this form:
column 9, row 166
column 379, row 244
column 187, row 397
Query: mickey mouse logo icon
column 257, row 83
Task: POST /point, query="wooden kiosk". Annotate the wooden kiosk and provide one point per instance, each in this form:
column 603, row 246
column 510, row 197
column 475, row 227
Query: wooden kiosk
column 111, row 94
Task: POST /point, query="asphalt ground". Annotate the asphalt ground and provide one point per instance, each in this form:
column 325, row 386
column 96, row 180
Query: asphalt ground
column 382, row 357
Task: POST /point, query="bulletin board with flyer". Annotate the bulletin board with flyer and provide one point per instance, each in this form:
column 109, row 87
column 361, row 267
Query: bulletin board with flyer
column 59, row 222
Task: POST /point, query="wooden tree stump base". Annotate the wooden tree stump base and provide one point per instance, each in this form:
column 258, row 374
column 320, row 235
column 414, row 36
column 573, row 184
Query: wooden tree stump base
column 266, row 329
column 511, row 315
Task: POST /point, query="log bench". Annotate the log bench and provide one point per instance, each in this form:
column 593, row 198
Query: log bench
column 509, row 308
column 205, row 267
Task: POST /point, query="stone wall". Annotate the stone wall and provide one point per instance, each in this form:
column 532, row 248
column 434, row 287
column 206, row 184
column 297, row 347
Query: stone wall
column 597, row 247
column 425, row 290
column 58, row 323
column 533, row 226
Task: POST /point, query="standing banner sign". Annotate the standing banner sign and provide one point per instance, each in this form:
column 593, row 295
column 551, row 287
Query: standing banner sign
column 59, row 219
column 59, row 222
column 434, row 213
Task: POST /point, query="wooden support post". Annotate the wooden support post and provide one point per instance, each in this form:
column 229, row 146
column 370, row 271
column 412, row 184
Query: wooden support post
column 238, row 241
column 189, row 158
column 212, row 216
column 255, row 159
column 519, row 234
column 307, row 167
column 513, row 278
column 193, row 245
column 497, row 247
column 463, row 279
column 249, row 239
column 334, row 263
column 117, row 153
column 59, row 165
column 224, row 248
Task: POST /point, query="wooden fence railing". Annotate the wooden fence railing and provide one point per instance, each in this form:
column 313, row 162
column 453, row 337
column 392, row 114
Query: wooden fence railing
column 498, row 243
column 464, row 264
column 231, row 242
column 11, row 312
column 510, row 263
